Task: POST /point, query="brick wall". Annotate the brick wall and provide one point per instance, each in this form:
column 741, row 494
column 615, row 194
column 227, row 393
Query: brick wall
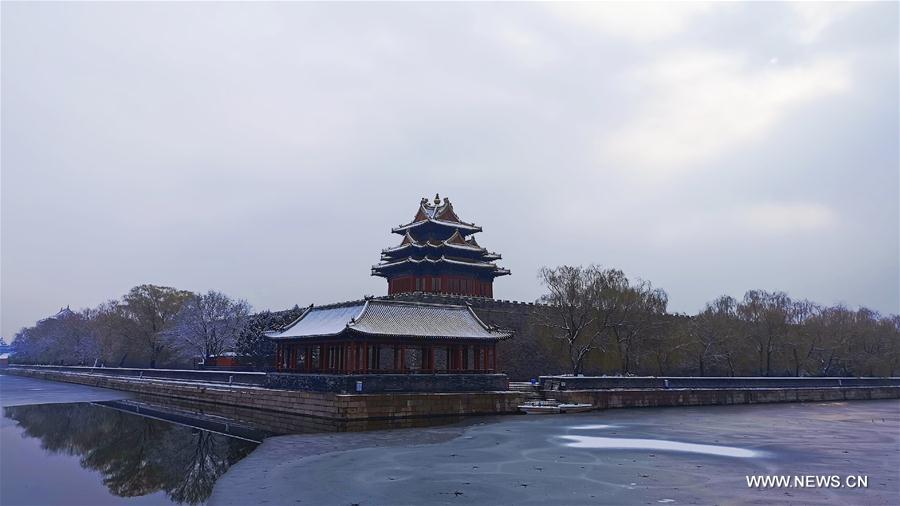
column 384, row 406
column 383, row 383
column 605, row 399
column 314, row 404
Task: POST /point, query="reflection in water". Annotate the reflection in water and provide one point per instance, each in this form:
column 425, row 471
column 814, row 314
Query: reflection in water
column 657, row 444
column 135, row 455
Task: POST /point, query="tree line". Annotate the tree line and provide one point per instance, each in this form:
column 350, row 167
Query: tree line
column 596, row 320
column 590, row 320
column 152, row 326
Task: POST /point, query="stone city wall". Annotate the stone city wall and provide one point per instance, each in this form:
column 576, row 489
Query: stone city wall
column 663, row 382
column 384, row 406
column 315, row 404
column 606, row 399
column 388, row 383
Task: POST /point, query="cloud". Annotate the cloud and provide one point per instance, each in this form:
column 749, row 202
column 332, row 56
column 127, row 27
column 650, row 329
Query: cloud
column 695, row 106
column 637, row 22
column 221, row 145
column 814, row 18
column 786, row 218
column 747, row 222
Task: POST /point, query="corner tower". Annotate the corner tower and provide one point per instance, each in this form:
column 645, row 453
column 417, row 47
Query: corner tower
column 439, row 254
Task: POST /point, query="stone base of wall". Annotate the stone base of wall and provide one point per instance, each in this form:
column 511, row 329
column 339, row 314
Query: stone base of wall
column 333, row 406
column 605, row 399
column 388, row 383
column 706, row 382
column 386, row 406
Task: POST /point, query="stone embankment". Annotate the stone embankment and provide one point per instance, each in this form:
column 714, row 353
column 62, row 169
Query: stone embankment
column 603, row 393
column 627, row 392
column 316, row 404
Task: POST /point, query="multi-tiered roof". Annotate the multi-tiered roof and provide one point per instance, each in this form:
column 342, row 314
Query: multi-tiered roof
column 439, row 254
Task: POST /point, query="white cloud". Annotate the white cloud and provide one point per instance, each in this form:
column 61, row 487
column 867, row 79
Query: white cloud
column 697, row 105
column 813, row 18
column 637, row 21
column 785, row 218
column 746, row 222
column 526, row 46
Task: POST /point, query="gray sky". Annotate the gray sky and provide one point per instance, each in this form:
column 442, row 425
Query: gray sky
column 265, row 150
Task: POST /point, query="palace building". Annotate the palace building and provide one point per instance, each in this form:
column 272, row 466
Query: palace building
column 439, row 254
column 397, row 333
column 387, row 336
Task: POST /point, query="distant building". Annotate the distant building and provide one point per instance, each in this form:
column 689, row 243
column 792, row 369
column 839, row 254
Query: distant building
column 5, row 349
column 62, row 314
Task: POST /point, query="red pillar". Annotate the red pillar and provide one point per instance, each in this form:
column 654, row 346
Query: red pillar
column 365, row 357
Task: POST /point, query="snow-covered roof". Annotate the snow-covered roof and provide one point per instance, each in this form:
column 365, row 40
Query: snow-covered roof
column 498, row 271
column 321, row 321
column 442, row 244
column 455, row 241
column 62, row 314
column 390, row 318
column 465, row 227
column 437, row 213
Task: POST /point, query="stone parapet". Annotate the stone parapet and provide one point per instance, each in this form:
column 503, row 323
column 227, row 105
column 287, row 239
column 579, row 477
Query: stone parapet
column 634, row 382
column 389, row 383
column 607, row 399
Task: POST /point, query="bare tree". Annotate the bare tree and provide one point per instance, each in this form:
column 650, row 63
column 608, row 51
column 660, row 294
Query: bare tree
column 766, row 316
column 152, row 309
column 834, row 325
column 713, row 334
column 209, row 324
column 803, row 338
column 571, row 300
column 583, row 304
column 665, row 343
column 640, row 309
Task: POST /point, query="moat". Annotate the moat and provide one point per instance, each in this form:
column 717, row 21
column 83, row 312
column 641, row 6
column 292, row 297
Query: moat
column 97, row 452
column 71, row 444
